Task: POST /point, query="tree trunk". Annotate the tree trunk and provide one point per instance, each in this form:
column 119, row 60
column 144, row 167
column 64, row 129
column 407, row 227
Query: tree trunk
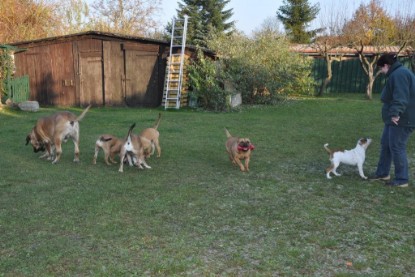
column 368, row 67
column 369, row 87
column 371, row 80
column 329, row 75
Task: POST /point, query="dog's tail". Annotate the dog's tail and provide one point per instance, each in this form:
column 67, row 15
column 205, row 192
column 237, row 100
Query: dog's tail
column 157, row 122
column 326, row 146
column 228, row 135
column 79, row 118
column 130, row 131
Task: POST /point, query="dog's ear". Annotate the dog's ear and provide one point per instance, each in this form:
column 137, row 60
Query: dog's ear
column 27, row 139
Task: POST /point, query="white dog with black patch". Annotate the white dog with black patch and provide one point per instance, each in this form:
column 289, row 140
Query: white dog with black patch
column 355, row 156
column 133, row 150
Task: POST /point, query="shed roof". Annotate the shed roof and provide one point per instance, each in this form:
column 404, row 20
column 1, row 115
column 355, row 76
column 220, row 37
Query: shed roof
column 97, row 34
column 103, row 35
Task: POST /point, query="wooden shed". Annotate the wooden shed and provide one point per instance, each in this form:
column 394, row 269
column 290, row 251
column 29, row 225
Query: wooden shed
column 102, row 69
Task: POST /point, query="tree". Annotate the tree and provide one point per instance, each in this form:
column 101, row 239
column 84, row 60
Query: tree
column 325, row 45
column 26, row 19
column 331, row 21
column 6, row 70
column 296, row 16
column 196, row 30
column 405, row 24
column 370, row 26
column 206, row 79
column 206, row 18
column 270, row 24
column 132, row 17
column 216, row 17
column 74, row 15
column 409, row 31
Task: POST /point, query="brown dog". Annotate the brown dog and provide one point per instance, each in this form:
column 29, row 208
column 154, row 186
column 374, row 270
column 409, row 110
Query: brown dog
column 133, row 150
column 50, row 131
column 111, row 145
column 152, row 134
column 239, row 149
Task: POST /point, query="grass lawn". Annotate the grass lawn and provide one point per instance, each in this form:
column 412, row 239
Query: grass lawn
column 193, row 213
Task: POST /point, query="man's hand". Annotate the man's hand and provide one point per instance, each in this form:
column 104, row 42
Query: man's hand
column 395, row 119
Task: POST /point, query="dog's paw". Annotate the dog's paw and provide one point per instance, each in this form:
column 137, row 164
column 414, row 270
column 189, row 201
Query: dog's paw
column 364, row 177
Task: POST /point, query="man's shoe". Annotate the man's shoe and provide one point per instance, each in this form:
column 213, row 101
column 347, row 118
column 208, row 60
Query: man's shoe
column 379, row 178
column 396, row 185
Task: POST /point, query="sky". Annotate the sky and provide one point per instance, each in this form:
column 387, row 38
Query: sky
column 249, row 15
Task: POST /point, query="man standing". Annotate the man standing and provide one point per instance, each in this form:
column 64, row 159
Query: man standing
column 398, row 114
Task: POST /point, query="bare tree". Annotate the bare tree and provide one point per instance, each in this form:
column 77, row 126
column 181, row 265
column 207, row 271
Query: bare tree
column 370, row 26
column 73, row 15
column 133, row 17
column 327, row 46
column 405, row 24
column 270, row 24
column 332, row 20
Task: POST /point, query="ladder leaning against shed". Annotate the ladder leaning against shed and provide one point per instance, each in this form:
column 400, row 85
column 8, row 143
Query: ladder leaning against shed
column 174, row 74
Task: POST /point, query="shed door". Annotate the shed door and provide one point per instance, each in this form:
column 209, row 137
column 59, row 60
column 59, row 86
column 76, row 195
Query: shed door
column 91, row 78
column 40, row 77
column 141, row 77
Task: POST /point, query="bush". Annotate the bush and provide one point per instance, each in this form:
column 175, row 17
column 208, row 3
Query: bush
column 206, row 83
column 6, row 70
column 263, row 69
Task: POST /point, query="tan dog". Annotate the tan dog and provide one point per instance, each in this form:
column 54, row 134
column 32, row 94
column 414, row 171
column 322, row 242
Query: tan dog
column 50, row 131
column 111, row 145
column 152, row 134
column 239, row 149
column 133, row 150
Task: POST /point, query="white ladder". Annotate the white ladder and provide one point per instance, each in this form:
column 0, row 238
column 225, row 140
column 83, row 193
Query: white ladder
column 174, row 74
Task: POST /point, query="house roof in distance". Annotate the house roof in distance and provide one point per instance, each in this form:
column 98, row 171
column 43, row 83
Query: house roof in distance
column 314, row 50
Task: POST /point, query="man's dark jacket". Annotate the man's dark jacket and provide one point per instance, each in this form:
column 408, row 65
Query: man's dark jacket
column 398, row 96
